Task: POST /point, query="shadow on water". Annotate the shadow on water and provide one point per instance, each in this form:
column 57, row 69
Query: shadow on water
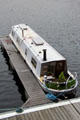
column 20, row 88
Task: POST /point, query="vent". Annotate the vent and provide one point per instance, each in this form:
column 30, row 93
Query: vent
column 23, row 27
column 44, row 55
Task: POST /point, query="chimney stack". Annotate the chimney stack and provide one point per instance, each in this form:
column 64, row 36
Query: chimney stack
column 44, row 55
column 23, row 33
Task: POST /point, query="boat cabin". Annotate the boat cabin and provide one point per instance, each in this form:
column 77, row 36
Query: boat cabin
column 39, row 55
column 53, row 68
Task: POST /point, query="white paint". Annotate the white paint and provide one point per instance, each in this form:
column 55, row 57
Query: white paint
column 40, row 107
column 76, row 100
column 31, row 36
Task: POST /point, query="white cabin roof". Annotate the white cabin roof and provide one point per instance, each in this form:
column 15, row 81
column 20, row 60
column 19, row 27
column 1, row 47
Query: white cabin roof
column 37, row 44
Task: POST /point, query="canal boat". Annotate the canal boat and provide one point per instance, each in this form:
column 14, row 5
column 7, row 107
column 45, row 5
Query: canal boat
column 49, row 66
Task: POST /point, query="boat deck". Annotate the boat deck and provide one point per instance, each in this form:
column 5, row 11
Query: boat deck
column 30, row 83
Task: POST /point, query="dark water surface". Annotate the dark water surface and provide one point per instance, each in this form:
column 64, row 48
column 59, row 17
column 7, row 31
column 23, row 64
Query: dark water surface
column 12, row 93
column 57, row 21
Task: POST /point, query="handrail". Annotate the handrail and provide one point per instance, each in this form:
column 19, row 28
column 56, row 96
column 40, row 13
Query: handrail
column 75, row 75
column 67, row 81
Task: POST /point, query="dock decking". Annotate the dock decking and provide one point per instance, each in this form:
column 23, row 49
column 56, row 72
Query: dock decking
column 67, row 110
column 59, row 113
column 30, row 83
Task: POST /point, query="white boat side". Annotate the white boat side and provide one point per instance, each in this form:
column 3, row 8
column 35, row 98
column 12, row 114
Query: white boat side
column 36, row 43
column 27, row 42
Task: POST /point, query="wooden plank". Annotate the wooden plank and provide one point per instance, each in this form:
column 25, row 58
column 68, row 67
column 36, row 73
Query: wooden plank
column 77, row 107
column 59, row 113
column 12, row 118
column 20, row 117
column 68, row 112
column 76, row 104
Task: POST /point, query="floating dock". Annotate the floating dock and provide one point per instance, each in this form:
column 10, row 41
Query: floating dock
column 36, row 95
column 37, row 107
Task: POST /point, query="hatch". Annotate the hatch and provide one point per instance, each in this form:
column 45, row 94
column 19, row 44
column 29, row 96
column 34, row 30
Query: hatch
column 23, row 27
column 38, row 41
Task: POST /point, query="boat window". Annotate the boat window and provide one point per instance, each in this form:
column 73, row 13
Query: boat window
column 53, row 68
column 48, row 68
column 60, row 67
column 26, row 52
column 33, row 61
column 18, row 40
column 44, row 69
column 13, row 33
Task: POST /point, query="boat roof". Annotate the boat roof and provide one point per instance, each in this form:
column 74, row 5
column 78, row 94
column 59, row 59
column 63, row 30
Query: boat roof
column 37, row 44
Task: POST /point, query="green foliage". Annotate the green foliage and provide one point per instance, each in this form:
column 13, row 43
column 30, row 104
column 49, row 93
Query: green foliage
column 61, row 85
column 71, row 83
column 55, row 86
column 62, row 77
column 49, row 73
column 51, row 85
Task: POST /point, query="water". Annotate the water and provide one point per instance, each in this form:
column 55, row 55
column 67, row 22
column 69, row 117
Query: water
column 11, row 89
column 57, row 21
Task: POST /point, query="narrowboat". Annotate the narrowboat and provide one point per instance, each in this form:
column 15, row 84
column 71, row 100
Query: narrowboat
column 49, row 66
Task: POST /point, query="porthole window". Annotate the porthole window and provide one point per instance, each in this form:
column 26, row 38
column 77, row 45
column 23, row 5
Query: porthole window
column 26, row 52
column 18, row 40
column 34, row 63
column 13, row 33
